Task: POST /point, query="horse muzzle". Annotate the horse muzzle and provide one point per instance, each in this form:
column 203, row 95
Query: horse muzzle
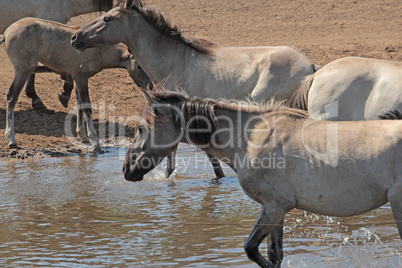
column 130, row 173
column 77, row 43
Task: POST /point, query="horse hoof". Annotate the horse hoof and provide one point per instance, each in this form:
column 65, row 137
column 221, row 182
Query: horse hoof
column 12, row 145
column 64, row 100
column 169, row 173
column 97, row 150
column 38, row 104
column 83, row 137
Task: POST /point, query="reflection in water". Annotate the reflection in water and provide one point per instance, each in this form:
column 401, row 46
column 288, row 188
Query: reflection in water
column 79, row 211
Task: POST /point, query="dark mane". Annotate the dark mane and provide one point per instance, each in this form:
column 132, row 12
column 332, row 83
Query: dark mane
column 202, row 113
column 199, row 113
column 180, row 96
column 103, row 5
column 391, row 115
column 164, row 26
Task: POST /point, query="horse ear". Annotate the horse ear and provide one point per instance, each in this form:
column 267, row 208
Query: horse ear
column 128, row 4
column 147, row 96
column 138, row 4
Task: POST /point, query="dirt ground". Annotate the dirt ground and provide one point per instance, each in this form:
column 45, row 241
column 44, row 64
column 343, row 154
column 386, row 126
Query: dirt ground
column 324, row 30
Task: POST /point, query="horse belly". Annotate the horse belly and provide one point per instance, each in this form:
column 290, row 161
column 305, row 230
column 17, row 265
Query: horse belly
column 60, row 58
column 340, row 206
column 345, row 190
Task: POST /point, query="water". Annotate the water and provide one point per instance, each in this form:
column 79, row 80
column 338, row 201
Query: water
column 80, row 212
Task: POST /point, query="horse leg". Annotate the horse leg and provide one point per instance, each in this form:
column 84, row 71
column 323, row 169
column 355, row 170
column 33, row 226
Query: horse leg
column 12, row 97
column 394, row 197
column 65, row 95
column 80, row 129
column 275, row 245
column 31, row 93
column 85, row 105
column 171, row 163
column 265, row 224
column 216, row 166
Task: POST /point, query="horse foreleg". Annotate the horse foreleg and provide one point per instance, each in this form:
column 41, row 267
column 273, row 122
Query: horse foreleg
column 68, row 85
column 264, row 226
column 171, row 163
column 85, row 105
column 12, row 97
column 275, row 245
column 31, row 93
column 216, row 166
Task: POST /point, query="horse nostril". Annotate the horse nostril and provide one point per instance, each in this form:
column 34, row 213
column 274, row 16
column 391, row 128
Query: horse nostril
column 73, row 38
column 124, row 169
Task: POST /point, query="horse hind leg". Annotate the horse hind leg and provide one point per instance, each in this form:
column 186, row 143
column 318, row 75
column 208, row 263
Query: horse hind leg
column 266, row 223
column 12, row 96
column 68, row 86
column 395, row 200
column 275, row 245
column 31, row 93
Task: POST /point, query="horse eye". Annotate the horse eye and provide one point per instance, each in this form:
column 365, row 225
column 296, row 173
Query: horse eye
column 140, row 129
column 107, row 19
column 139, row 67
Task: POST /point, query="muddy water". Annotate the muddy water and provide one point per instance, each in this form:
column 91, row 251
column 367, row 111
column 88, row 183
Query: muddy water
column 80, row 212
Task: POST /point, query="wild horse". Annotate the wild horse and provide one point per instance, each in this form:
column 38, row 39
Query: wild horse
column 328, row 168
column 30, row 40
column 351, row 88
column 202, row 68
column 55, row 10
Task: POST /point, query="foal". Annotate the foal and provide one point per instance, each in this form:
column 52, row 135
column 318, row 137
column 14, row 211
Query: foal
column 29, row 41
column 61, row 11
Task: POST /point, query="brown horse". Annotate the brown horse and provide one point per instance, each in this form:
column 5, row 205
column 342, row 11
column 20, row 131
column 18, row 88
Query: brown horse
column 29, row 41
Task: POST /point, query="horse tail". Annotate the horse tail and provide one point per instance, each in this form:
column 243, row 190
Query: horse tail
column 2, row 38
column 316, row 67
column 299, row 98
column 391, row 115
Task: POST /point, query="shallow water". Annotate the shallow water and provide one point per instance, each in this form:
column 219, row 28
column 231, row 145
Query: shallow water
column 80, row 212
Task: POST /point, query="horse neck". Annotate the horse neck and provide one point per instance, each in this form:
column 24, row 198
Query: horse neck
column 229, row 142
column 159, row 56
column 115, row 56
column 79, row 7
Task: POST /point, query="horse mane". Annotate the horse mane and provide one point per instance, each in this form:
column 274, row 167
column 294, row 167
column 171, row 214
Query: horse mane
column 201, row 113
column 103, row 5
column 391, row 115
column 164, row 26
column 299, row 98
